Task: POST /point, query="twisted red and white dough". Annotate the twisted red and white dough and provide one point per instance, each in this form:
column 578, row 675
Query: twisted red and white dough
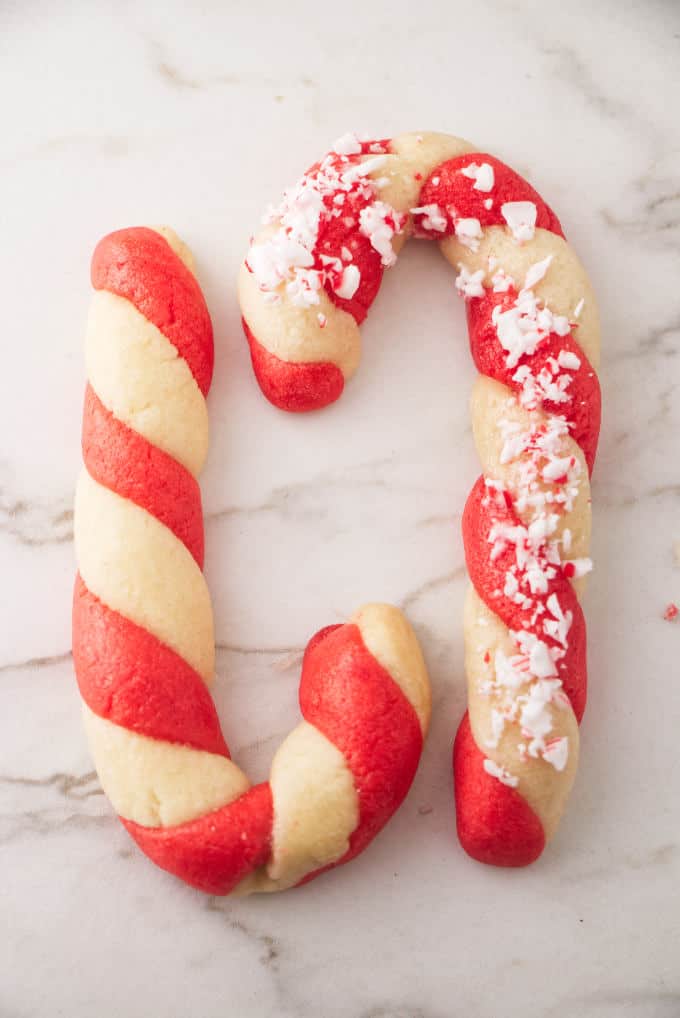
column 307, row 283
column 143, row 641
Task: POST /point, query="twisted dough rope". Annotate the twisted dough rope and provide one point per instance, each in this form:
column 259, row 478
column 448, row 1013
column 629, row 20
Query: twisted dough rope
column 306, row 285
column 143, row 643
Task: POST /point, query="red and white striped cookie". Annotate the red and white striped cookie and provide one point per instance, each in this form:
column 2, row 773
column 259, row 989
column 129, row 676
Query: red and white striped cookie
column 143, row 641
column 307, row 283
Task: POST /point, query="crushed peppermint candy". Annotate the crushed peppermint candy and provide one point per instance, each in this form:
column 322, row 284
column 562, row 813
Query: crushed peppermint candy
column 523, row 326
column 672, row 612
column 501, row 281
column 505, row 777
column 497, row 726
column 468, row 232
column 536, row 272
column 482, row 174
column 525, row 686
column 521, row 218
column 376, row 221
column 525, row 698
column 567, row 359
column 470, row 284
column 340, row 186
column 347, row 145
column 577, row 568
column 556, row 752
column 349, row 282
column 432, row 217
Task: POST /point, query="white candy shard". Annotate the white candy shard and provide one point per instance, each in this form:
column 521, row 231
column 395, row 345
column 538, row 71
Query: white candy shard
column 559, row 625
column 536, row 272
column 347, row 145
column 432, row 217
column 362, row 169
column 556, row 753
column 525, row 324
column 521, row 218
column 482, row 174
column 497, row 726
column 469, row 232
column 502, row 282
column 581, row 566
column 569, row 360
column 349, row 282
column 469, row 284
column 379, row 222
column 505, row 777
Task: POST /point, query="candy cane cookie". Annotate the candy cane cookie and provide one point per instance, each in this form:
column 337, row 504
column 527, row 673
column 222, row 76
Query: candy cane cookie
column 143, row 643
column 306, row 285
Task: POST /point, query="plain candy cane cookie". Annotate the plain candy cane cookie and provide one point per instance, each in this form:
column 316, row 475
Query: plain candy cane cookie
column 143, row 643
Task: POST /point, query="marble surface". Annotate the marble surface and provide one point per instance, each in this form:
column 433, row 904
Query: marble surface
column 197, row 115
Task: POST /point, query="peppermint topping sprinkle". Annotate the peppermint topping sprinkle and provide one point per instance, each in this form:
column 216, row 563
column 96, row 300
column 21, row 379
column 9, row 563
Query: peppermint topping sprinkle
column 536, row 272
column 556, row 752
column 432, row 217
column 347, row 145
column 524, row 325
column 503, row 776
column 339, row 187
column 521, row 218
column 469, row 232
column 525, row 687
column 482, row 175
column 469, row 284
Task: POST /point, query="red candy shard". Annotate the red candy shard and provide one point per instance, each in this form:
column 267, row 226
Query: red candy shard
column 455, row 194
column 294, row 387
column 138, row 264
column 125, row 462
column 214, row 852
column 495, row 824
column 127, row 676
column 671, row 612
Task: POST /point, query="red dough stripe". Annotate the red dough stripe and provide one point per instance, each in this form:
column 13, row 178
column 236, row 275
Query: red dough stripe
column 125, row 462
column 358, row 706
column 454, row 193
column 216, row 851
column 495, row 824
column 138, row 264
column 488, row 579
column 296, row 387
column 127, row 676
column 349, row 697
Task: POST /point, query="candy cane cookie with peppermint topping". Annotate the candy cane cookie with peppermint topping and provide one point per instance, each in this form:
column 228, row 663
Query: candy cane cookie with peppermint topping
column 143, row 644
column 306, row 285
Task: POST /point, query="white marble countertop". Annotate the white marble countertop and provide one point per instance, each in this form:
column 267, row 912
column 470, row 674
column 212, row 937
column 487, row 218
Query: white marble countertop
column 197, row 115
